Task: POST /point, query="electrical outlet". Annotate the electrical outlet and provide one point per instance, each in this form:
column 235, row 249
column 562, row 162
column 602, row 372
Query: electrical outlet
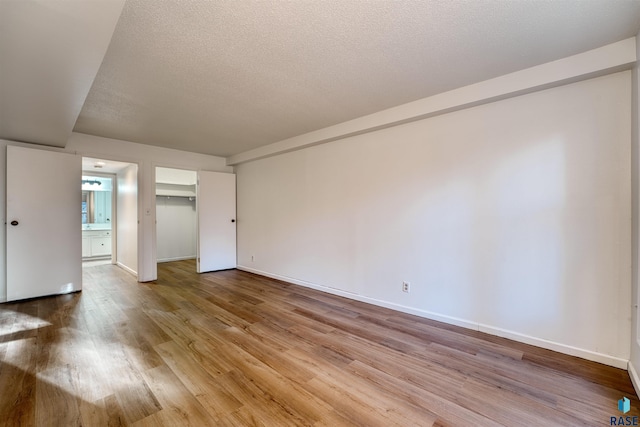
column 406, row 287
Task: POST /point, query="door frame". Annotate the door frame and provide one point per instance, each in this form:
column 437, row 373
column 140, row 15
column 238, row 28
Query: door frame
column 154, row 209
column 154, row 235
column 108, row 158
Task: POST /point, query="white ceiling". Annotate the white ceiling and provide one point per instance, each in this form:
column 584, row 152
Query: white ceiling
column 223, row 77
column 50, row 52
column 91, row 165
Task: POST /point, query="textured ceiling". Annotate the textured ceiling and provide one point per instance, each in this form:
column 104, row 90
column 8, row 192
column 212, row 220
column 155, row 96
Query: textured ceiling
column 223, row 77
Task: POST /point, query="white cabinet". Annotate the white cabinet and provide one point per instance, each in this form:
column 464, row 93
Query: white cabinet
column 96, row 243
column 86, row 246
column 100, row 246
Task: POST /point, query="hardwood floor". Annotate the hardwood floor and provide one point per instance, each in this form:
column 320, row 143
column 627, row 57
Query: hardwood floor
column 235, row 349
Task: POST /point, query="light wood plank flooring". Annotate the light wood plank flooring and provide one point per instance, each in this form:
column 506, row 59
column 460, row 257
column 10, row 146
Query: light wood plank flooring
column 235, row 349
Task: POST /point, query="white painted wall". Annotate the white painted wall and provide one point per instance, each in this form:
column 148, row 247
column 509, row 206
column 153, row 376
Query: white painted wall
column 634, row 362
column 511, row 217
column 3, row 219
column 176, row 176
column 147, row 158
column 127, row 218
column 176, row 228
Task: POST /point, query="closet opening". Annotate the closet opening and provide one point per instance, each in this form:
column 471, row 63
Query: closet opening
column 176, row 216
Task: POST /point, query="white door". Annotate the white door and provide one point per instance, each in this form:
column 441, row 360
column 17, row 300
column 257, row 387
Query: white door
column 44, row 237
column 216, row 206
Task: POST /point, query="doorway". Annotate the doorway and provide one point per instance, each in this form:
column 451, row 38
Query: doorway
column 176, row 215
column 195, row 218
column 98, row 218
column 120, row 230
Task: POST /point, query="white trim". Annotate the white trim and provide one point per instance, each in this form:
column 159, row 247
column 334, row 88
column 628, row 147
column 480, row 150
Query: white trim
column 635, row 380
column 594, row 356
column 127, row 269
column 179, row 258
column 604, row 60
column 538, row 342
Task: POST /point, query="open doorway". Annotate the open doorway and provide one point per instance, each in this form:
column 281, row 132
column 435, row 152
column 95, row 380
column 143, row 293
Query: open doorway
column 176, row 215
column 110, row 222
column 195, row 219
column 98, row 218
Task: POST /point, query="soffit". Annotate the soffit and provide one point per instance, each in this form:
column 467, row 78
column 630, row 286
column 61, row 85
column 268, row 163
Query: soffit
column 50, row 52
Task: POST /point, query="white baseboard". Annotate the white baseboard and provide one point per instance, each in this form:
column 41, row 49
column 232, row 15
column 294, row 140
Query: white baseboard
column 516, row 336
column 605, row 359
column 633, row 374
column 180, row 258
column 127, row 269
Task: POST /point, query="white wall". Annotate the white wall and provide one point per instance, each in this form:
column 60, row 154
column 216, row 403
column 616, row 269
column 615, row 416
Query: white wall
column 176, row 176
column 147, row 157
column 511, row 217
column 634, row 363
column 127, row 218
column 3, row 219
column 176, row 228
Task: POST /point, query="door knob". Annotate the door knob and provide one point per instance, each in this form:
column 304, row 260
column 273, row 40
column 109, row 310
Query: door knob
column 233, row 220
column 14, row 223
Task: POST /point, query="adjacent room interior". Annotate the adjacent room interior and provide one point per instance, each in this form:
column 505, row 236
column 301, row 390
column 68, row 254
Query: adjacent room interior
column 109, row 213
column 176, row 219
column 98, row 218
column 319, row 213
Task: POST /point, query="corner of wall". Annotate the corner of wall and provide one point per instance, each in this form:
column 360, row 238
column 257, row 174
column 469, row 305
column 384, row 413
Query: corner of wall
column 635, row 220
column 633, row 374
